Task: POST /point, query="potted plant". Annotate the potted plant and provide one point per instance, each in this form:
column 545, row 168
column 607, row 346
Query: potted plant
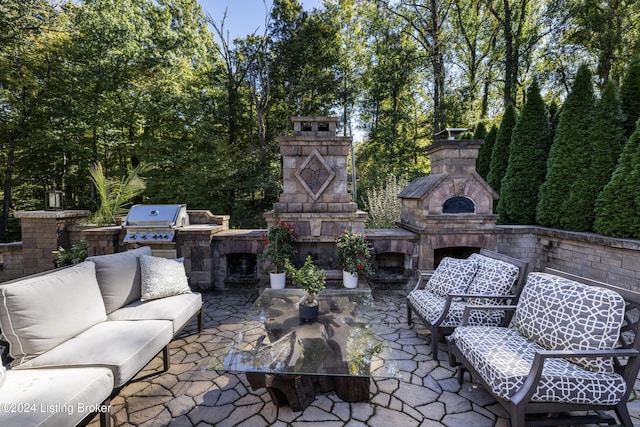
column 278, row 248
column 353, row 256
column 310, row 278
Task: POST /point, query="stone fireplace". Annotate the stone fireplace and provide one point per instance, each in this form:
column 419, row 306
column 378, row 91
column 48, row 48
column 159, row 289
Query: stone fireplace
column 451, row 209
column 314, row 198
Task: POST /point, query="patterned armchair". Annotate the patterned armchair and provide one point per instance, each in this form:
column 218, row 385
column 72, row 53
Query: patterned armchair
column 440, row 297
column 563, row 353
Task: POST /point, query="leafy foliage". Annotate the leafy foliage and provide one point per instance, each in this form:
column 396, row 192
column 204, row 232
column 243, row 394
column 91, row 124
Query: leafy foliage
column 567, row 154
column 483, row 163
column 527, row 160
column 74, row 255
column 618, row 205
column 500, row 152
column 602, row 152
column 382, row 203
column 278, row 246
column 115, row 195
column 353, row 253
column 309, row 277
column 630, row 96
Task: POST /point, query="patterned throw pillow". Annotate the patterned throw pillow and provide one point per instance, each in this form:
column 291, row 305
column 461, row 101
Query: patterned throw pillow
column 452, row 276
column 560, row 314
column 162, row 278
column 494, row 277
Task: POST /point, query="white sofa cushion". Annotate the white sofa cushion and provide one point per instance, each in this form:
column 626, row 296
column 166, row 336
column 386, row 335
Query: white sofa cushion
column 54, row 397
column 122, row 346
column 40, row 312
column 560, row 314
column 119, row 277
column 452, row 276
column 178, row 309
column 162, row 278
column 493, row 277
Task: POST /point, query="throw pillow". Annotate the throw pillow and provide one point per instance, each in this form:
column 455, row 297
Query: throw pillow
column 452, row 276
column 3, row 374
column 162, row 278
column 560, row 314
column 494, row 277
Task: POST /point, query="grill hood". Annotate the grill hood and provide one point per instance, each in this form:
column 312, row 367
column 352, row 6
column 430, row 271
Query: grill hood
column 157, row 216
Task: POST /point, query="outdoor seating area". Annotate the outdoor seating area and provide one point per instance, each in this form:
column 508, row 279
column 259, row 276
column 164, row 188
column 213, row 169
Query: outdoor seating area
column 198, row 386
column 427, row 394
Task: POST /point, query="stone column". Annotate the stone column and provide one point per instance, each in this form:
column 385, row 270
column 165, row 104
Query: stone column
column 315, row 198
column 42, row 233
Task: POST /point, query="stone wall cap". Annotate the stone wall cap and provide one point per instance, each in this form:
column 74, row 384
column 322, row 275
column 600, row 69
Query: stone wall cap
column 52, row 214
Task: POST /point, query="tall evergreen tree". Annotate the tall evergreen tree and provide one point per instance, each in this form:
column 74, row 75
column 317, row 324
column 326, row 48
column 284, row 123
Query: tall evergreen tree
column 500, row 152
column 567, row 155
column 630, row 95
column 483, row 163
column 618, row 206
column 606, row 142
column 527, row 162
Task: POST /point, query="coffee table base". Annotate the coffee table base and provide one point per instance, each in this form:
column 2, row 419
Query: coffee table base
column 298, row 391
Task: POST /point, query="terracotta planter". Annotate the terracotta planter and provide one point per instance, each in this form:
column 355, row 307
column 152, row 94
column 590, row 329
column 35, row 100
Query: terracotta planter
column 350, row 280
column 277, row 280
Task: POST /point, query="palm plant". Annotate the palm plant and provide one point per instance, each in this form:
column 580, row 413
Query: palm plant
column 115, row 195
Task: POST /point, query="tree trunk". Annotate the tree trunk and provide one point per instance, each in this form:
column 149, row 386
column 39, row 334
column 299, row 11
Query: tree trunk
column 8, row 184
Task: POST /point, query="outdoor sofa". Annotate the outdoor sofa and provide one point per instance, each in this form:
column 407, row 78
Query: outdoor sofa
column 570, row 353
column 78, row 334
column 440, row 297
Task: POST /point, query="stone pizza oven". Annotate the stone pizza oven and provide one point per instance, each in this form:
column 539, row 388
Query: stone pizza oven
column 451, row 209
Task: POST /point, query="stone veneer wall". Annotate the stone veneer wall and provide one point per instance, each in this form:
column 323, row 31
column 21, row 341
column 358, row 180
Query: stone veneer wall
column 11, row 261
column 611, row 260
column 42, row 233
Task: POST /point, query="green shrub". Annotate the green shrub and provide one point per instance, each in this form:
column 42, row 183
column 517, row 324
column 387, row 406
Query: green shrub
column 74, row 255
column 527, row 162
column 568, row 153
column 383, row 203
column 606, row 139
column 500, row 152
column 617, row 206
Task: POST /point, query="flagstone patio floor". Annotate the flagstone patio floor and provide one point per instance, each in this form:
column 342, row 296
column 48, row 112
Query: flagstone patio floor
column 427, row 395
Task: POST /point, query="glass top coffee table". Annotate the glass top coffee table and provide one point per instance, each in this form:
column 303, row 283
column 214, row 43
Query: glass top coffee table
column 341, row 350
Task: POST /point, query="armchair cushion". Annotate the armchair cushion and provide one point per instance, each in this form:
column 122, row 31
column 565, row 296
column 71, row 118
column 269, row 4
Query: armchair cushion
column 505, row 367
column 430, row 306
column 494, row 277
column 452, row 276
column 560, row 314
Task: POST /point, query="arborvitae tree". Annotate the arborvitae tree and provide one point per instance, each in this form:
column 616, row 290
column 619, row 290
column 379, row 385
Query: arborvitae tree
column 567, row 155
column 483, row 163
column 554, row 116
column 500, row 153
column 480, row 132
column 630, row 95
column 605, row 145
column 617, row 206
column 527, row 162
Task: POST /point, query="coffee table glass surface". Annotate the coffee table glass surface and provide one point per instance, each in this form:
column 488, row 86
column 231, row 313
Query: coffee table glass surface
column 347, row 338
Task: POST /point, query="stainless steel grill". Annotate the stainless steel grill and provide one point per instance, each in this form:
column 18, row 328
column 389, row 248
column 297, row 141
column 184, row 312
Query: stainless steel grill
column 154, row 223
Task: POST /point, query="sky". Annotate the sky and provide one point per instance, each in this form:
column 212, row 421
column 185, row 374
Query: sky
column 245, row 16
